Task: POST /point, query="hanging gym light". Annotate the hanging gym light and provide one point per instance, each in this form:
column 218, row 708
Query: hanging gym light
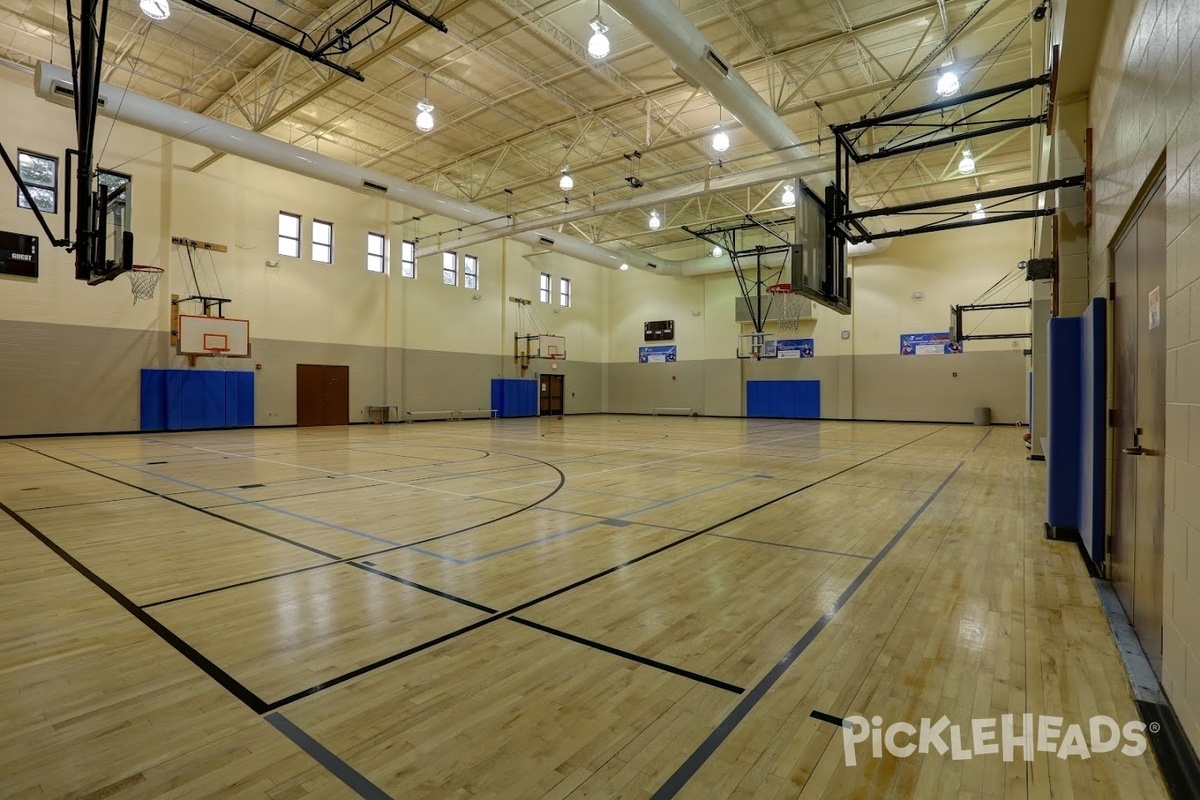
column 624, row 267
column 967, row 165
column 425, row 110
column 598, row 44
column 566, row 182
column 720, row 140
column 155, row 9
column 717, row 252
column 947, row 83
column 978, row 213
column 789, row 196
column 655, row 221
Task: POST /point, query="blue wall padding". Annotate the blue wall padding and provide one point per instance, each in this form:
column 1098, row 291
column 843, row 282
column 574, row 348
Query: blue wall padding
column 1063, row 456
column 515, row 397
column 786, row 399
column 154, row 405
column 1075, row 461
column 181, row 399
column 1092, row 417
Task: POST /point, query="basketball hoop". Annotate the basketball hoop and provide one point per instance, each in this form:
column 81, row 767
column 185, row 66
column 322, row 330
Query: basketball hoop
column 143, row 280
column 788, row 306
column 218, row 354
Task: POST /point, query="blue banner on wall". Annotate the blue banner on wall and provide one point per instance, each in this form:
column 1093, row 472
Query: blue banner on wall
column 790, row 348
column 657, row 353
column 928, row 344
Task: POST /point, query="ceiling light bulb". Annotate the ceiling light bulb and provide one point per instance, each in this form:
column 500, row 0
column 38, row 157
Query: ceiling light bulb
column 967, row 165
column 425, row 115
column 566, row 182
column 598, row 44
column 720, row 140
column 624, row 267
column 978, row 213
column 947, row 84
column 155, row 9
column 718, row 252
column 655, row 222
column 789, row 196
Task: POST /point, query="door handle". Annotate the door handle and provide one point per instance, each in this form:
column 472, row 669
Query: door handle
column 1136, row 450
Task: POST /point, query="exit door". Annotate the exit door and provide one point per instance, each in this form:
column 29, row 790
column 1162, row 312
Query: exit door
column 1139, row 267
column 322, row 395
column 551, row 393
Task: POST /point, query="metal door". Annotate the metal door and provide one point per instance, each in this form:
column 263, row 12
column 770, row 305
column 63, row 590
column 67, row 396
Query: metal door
column 1139, row 268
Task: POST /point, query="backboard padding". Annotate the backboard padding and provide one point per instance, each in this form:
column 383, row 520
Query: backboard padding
column 198, row 335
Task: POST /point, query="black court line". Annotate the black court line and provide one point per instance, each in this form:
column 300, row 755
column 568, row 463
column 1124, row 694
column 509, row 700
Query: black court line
column 345, row 773
column 224, row 679
column 383, row 662
column 414, row 585
column 87, row 503
column 696, row 760
column 791, row 546
column 821, row 716
column 650, row 662
column 171, row 499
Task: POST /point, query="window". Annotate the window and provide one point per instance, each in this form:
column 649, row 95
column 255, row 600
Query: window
column 408, row 259
column 40, row 175
column 564, row 292
column 470, row 272
column 376, row 248
column 289, row 234
column 450, row 268
column 322, row 241
column 544, row 287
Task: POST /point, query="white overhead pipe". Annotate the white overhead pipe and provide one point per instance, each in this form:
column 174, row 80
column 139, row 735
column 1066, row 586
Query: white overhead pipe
column 721, row 183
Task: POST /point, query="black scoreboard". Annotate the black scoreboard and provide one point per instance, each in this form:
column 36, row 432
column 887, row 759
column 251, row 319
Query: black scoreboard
column 18, row 254
column 662, row 330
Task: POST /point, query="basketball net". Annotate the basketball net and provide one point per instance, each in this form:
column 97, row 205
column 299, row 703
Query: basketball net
column 786, row 306
column 218, row 357
column 142, row 281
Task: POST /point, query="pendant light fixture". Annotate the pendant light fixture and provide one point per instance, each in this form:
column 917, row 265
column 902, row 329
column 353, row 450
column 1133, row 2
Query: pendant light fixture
column 425, row 110
column 598, row 46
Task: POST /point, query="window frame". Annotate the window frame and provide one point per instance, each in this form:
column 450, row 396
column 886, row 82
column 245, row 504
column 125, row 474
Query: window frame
column 314, row 244
column 297, row 239
column 470, row 272
column 373, row 237
column 545, row 282
column 51, row 187
column 449, row 267
column 408, row 266
column 564, row 292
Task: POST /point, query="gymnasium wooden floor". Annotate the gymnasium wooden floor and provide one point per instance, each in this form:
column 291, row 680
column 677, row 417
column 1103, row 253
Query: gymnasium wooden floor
column 596, row 607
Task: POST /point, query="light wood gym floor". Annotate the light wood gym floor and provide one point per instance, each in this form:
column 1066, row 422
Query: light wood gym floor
column 595, row 607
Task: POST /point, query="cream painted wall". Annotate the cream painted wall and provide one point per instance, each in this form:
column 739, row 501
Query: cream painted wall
column 1144, row 103
column 950, row 268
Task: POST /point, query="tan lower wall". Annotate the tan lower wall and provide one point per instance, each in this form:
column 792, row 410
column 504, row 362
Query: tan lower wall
column 925, row 388
column 65, row 378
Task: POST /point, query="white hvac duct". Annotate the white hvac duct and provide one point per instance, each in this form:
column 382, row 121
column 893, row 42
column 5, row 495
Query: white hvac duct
column 54, row 83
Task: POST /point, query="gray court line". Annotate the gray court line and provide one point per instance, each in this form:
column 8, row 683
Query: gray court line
column 221, row 493
column 559, row 535
column 696, row 760
column 345, row 773
column 984, row 439
column 791, row 546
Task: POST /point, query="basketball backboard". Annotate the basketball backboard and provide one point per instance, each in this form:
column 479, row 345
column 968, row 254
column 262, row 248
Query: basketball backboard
column 200, row 336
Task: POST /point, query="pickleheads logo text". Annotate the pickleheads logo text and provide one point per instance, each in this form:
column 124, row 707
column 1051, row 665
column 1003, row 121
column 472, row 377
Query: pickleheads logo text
column 989, row 737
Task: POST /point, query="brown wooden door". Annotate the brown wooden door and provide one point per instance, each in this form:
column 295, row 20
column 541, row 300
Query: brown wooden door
column 310, row 395
column 1140, row 369
column 322, row 395
column 337, row 395
column 551, row 394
